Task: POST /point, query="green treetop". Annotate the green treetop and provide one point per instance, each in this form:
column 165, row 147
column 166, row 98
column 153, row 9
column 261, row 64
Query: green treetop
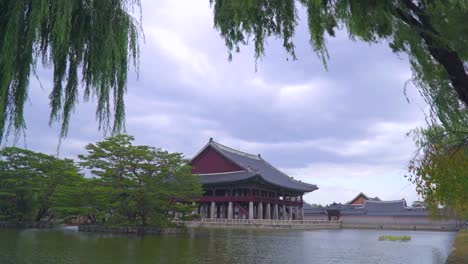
column 28, row 182
column 145, row 185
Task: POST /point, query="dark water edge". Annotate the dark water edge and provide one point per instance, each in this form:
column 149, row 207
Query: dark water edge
column 224, row 246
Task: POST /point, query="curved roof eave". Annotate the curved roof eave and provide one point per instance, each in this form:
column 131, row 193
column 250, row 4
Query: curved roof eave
column 243, row 176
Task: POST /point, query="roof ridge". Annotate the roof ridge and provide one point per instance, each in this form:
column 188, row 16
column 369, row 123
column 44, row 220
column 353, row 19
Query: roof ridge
column 360, row 193
column 218, row 173
column 235, row 151
column 290, row 177
column 390, row 201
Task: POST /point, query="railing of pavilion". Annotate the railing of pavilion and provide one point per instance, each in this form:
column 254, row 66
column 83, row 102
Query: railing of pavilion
column 269, row 221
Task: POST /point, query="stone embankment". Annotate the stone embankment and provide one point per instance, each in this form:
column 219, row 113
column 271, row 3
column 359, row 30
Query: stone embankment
column 4, row 224
column 131, row 230
column 264, row 224
column 399, row 227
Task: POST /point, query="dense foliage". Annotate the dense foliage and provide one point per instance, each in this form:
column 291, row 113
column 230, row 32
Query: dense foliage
column 440, row 170
column 29, row 180
column 131, row 185
column 144, row 185
column 83, row 40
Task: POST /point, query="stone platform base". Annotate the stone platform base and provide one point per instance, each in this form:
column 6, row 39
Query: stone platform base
column 264, row 224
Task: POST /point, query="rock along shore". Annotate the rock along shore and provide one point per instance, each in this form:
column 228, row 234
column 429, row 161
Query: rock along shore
column 132, row 230
column 4, row 224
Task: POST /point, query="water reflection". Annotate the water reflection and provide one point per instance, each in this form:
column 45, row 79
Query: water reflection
column 224, row 246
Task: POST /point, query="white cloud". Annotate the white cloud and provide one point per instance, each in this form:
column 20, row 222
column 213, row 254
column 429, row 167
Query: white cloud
column 340, row 182
column 312, row 96
column 385, row 138
column 194, row 66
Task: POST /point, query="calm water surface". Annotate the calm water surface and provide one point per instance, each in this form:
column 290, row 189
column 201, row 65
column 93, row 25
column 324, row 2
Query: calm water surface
column 224, row 246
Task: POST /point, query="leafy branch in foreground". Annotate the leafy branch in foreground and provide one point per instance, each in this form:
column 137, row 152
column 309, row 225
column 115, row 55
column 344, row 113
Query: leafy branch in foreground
column 434, row 35
column 84, row 41
column 440, row 170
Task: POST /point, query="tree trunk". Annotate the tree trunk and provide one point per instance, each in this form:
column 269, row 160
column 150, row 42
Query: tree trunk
column 444, row 55
column 454, row 66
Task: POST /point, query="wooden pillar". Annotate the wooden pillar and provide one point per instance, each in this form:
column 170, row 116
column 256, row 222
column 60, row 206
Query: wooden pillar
column 260, row 211
column 275, row 212
column 268, row 211
column 230, row 211
column 212, row 210
column 284, row 212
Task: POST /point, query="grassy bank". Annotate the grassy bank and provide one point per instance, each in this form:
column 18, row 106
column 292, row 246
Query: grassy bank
column 460, row 251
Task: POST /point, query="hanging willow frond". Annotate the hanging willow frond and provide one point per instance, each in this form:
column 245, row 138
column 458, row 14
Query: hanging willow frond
column 433, row 34
column 88, row 42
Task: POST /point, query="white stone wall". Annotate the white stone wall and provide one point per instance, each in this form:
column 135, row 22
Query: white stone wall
column 354, row 221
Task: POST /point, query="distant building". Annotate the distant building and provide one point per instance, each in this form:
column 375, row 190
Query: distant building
column 245, row 186
column 365, row 212
column 361, row 198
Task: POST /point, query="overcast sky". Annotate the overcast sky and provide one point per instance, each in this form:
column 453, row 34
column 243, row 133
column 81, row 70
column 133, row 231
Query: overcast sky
column 342, row 129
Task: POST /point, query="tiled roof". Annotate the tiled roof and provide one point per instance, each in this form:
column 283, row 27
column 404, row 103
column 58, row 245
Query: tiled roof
column 380, row 208
column 314, row 211
column 384, row 206
column 365, row 197
column 253, row 165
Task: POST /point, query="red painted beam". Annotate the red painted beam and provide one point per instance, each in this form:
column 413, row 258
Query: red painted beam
column 225, row 199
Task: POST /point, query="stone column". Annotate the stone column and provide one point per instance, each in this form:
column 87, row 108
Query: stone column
column 302, row 212
column 275, row 212
column 213, row 209
column 260, row 211
column 284, row 212
column 297, row 212
column 290, row 212
column 230, row 212
column 268, row 211
column 203, row 211
column 251, row 210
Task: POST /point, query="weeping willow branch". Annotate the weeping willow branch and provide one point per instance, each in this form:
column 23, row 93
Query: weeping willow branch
column 90, row 45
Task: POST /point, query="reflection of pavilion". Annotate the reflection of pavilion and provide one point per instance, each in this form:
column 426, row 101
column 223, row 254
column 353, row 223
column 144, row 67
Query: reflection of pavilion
column 245, row 186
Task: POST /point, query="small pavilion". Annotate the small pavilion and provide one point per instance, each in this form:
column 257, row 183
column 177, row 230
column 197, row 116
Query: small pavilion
column 238, row 185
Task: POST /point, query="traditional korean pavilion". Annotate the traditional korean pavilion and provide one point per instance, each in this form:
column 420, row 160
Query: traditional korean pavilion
column 238, row 185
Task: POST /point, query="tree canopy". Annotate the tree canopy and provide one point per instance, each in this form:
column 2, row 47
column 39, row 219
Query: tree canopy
column 29, row 180
column 129, row 185
column 434, row 35
column 85, row 41
column 440, row 170
column 144, row 185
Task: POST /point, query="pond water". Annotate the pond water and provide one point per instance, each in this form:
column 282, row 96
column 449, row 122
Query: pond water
column 224, row 246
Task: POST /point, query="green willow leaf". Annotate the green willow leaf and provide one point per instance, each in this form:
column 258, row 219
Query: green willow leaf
column 89, row 43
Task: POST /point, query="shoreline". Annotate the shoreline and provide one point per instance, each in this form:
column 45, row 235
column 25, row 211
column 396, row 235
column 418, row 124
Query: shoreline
column 132, row 230
column 459, row 252
column 38, row 225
